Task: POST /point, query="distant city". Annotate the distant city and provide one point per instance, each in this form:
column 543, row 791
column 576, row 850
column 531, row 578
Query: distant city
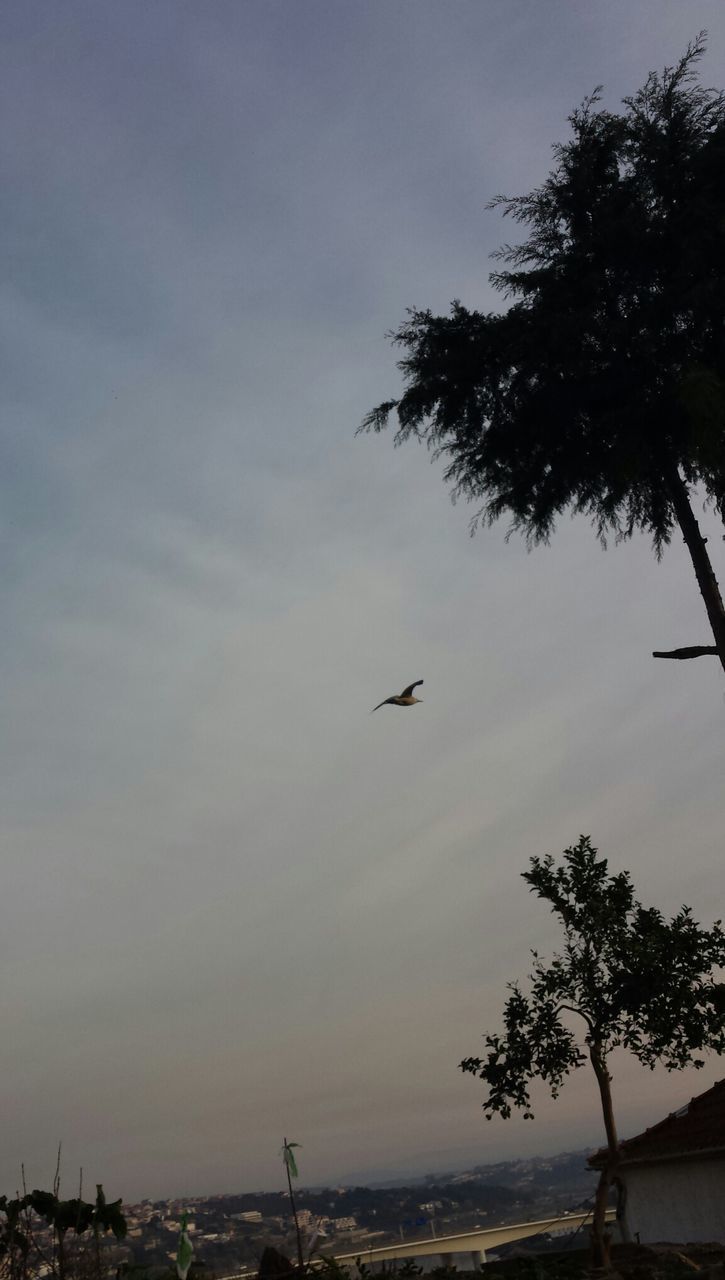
column 229, row 1232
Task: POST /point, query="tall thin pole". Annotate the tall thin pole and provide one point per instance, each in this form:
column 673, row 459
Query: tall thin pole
column 300, row 1258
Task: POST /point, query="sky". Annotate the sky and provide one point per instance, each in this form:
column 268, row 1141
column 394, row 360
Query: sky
column 233, row 905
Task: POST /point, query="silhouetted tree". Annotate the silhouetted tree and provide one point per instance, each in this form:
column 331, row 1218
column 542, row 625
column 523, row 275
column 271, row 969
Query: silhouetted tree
column 632, row 979
column 602, row 388
column 74, row 1216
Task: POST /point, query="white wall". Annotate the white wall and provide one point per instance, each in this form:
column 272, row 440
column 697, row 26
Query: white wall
column 677, row 1201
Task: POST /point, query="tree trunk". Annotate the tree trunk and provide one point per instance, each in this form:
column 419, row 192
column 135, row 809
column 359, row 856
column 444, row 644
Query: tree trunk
column 600, row 1235
column 696, row 545
column 61, row 1258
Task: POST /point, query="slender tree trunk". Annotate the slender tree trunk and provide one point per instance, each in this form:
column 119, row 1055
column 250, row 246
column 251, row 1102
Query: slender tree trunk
column 60, row 1236
column 696, row 545
column 97, row 1252
column 600, row 1235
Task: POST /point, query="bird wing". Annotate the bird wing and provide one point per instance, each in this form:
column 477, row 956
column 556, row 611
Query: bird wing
column 384, row 702
column 408, row 693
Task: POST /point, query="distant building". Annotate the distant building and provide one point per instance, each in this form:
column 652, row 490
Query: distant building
column 251, row 1215
column 673, row 1175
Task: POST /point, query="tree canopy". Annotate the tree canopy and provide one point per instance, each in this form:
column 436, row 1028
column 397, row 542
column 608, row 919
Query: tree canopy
column 628, row 978
column 601, row 389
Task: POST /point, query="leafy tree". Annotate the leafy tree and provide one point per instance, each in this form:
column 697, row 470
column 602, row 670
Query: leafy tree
column 626, row 976
column 602, row 388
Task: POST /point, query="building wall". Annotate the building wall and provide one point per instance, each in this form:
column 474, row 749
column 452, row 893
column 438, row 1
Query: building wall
column 677, row 1201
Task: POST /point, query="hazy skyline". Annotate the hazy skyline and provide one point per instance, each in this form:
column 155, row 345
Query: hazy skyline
column 234, row 905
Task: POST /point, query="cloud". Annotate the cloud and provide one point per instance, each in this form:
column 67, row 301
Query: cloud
column 233, row 902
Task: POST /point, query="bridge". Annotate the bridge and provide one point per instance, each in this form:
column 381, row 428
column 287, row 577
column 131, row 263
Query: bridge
column 474, row 1243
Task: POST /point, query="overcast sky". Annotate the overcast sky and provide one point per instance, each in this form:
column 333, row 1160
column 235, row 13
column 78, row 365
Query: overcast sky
column 234, row 905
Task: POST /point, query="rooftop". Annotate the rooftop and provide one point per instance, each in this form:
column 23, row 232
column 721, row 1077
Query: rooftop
column 699, row 1126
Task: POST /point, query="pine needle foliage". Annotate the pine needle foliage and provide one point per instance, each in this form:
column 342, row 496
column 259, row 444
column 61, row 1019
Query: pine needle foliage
column 609, row 366
column 600, row 390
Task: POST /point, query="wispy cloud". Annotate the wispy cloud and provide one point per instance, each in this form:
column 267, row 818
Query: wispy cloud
column 228, row 893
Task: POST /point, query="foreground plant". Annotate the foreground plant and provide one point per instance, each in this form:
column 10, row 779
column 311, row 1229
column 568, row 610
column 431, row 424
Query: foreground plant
column 74, row 1217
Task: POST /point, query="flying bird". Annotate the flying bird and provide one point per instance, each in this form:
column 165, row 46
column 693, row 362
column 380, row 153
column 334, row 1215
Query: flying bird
column 404, row 699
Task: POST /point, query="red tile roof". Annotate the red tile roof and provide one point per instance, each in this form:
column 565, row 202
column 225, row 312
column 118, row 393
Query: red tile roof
column 698, row 1126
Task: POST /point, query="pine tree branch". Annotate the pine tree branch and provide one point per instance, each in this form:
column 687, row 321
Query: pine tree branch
column 694, row 651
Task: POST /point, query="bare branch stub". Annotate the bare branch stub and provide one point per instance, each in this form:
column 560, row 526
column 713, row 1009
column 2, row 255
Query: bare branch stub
column 693, row 651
